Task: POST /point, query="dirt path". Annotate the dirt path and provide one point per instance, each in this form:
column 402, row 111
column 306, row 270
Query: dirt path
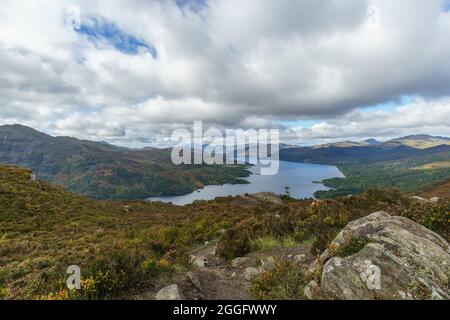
column 214, row 278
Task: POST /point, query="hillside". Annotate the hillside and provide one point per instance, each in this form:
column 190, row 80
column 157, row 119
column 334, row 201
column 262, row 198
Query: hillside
column 104, row 171
column 420, row 141
column 346, row 144
column 124, row 248
column 387, row 165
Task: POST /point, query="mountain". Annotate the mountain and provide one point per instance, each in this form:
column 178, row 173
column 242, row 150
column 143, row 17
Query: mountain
column 420, row 141
column 372, row 142
column 105, row 171
column 347, row 144
column 394, row 163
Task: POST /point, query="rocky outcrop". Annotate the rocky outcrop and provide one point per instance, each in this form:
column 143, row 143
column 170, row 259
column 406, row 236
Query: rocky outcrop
column 193, row 279
column 268, row 264
column 424, row 200
column 268, row 197
column 240, row 262
column 251, row 273
column 385, row 257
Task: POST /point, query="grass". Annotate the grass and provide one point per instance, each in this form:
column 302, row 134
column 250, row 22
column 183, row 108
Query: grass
column 123, row 247
column 285, row 282
column 268, row 242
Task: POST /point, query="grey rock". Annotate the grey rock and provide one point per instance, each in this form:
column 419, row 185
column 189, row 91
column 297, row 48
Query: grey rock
column 194, row 280
column 312, row 291
column 199, row 261
column 300, row 258
column 250, row 273
column 419, row 199
column 171, row 292
column 435, row 199
column 239, row 262
column 401, row 260
column 268, row 197
column 268, row 264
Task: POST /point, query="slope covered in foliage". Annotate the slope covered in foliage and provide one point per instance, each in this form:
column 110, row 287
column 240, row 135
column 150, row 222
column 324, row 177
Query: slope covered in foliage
column 104, row 171
column 122, row 247
column 388, row 165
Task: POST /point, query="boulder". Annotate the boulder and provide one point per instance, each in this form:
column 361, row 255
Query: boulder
column 268, row 264
column 419, row 199
column 312, row 290
column 300, row 258
column 199, row 261
column 171, row 292
column 386, row 257
column 268, row 197
column 251, row 273
column 194, row 280
column 239, row 262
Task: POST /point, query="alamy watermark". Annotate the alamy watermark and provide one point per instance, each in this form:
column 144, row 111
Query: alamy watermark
column 212, row 147
column 74, row 280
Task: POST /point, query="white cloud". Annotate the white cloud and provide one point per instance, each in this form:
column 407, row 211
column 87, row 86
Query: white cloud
column 232, row 63
column 419, row 116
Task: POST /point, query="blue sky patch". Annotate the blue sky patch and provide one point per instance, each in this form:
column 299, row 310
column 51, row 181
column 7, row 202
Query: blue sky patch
column 126, row 43
column 392, row 104
column 296, row 123
column 447, row 5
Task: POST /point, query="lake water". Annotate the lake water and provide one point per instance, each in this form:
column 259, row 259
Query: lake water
column 299, row 177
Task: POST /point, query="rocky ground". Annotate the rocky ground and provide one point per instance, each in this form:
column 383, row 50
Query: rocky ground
column 376, row 257
column 215, row 278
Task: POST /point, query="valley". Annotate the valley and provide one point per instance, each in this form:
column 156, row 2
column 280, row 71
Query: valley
column 103, row 171
column 391, row 164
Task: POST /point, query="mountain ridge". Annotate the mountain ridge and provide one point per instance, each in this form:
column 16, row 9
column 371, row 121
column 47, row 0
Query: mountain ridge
column 105, row 171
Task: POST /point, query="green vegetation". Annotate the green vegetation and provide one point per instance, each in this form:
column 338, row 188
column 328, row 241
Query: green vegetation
column 285, row 282
column 408, row 175
column 106, row 172
column 410, row 164
column 123, row 247
column 266, row 243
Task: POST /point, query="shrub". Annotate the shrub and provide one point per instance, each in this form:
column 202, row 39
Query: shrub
column 235, row 242
column 285, row 282
column 153, row 268
column 434, row 216
column 4, row 292
column 117, row 271
column 269, row 242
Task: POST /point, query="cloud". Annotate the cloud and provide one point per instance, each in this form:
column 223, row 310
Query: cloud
column 139, row 68
column 418, row 116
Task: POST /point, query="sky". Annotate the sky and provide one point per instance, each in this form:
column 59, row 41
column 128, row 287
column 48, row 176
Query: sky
column 130, row 72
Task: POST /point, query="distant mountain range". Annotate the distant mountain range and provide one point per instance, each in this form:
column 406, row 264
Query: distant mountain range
column 419, row 141
column 410, row 163
column 105, row 171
